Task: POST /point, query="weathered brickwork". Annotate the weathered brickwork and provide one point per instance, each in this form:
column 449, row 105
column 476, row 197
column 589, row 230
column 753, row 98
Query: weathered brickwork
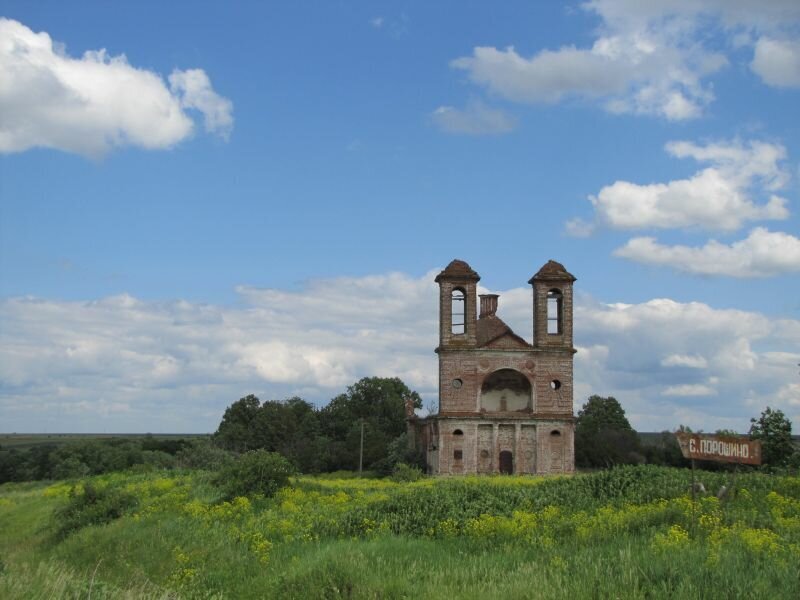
column 505, row 406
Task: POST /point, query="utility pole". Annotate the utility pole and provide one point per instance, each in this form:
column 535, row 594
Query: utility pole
column 361, row 450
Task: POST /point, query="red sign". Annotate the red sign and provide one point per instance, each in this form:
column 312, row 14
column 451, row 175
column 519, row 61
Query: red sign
column 702, row 446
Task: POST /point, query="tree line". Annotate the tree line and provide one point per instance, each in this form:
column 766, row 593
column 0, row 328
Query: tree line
column 313, row 439
column 329, row 438
column 604, row 438
column 326, row 439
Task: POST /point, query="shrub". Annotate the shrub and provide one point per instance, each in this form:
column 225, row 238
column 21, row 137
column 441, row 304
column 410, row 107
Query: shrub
column 91, row 506
column 203, row 454
column 403, row 472
column 71, row 468
column 255, row 472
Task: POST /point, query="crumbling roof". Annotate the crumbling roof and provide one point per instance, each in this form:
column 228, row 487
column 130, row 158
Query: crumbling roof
column 458, row 269
column 491, row 328
column 552, row 271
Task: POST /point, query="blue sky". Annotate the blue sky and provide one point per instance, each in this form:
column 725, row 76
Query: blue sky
column 254, row 197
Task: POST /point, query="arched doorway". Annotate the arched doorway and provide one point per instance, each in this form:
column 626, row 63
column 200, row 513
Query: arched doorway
column 506, row 462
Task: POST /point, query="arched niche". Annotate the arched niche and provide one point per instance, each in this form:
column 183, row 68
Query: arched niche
column 505, row 390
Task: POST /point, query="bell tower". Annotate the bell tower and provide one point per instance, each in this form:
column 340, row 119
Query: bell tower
column 505, row 405
column 552, row 307
column 457, row 306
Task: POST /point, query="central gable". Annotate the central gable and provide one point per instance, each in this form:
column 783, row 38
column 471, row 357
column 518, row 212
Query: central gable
column 508, row 341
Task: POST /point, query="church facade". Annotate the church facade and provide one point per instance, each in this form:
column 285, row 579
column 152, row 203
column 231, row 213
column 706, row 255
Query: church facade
column 505, row 405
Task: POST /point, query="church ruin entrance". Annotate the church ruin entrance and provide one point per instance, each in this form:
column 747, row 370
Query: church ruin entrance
column 505, row 390
column 506, row 463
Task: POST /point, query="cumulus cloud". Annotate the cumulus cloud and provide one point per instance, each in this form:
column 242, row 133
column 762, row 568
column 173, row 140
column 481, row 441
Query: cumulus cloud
column 185, row 362
column 777, row 62
column 193, row 87
column 671, row 362
column 689, row 389
column 691, row 361
column 92, row 104
column 126, row 364
column 475, row 119
column 719, row 197
column 760, row 254
column 649, row 58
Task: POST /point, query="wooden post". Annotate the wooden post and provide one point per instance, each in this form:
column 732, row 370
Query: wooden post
column 694, row 485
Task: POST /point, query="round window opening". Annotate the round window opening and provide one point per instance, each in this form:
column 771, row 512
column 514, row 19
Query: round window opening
column 458, row 432
column 555, row 384
column 555, row 433
column 457, row 383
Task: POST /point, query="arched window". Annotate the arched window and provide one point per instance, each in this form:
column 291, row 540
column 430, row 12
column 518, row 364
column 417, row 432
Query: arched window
column 457, row 311
column 505, row 390
column 555, row 312
column 458, row 432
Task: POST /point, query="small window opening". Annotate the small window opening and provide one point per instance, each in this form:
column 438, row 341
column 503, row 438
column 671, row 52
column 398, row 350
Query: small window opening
column 458, row 454
column 458, row 432
column 555, row 433
column 555, row 384
column 555, row 310
column 457, row 312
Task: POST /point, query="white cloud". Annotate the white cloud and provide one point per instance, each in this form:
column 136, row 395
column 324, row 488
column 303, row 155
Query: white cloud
column 630, row 73
column 186, row 362
column 648, row 58
column 718, row 197
column 689, row 389
column 475, row 119
column 691, row 361
column 194, row 90
column 777, row 62
column 737, row 349
column 789, row 396
column 760, row 254
column 121, row 363
column 92, row 104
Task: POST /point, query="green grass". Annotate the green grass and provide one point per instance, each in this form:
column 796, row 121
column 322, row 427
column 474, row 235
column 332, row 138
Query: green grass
column 627, row 533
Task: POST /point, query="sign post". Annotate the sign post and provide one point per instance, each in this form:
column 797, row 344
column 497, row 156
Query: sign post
column 718, row 448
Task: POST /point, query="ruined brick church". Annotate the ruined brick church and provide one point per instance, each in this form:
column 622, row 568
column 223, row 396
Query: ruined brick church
column 505, row 406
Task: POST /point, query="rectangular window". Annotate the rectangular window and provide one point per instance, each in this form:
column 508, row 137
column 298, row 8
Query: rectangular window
column 458, row 455
column 554, row 312
column 457, row 312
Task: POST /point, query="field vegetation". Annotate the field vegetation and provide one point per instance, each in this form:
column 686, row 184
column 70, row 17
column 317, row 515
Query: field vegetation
column 628, row 532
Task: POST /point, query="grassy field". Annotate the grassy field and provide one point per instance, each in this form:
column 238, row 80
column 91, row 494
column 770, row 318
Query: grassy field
column 627, row 533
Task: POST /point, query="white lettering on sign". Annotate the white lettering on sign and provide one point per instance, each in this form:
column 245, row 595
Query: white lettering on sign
column 720, row 448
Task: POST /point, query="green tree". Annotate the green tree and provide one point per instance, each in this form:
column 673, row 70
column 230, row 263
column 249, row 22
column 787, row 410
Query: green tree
column 378, row 403
column 288, row 427
column 237, row 430
column 775, row 432
column 603, row 435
